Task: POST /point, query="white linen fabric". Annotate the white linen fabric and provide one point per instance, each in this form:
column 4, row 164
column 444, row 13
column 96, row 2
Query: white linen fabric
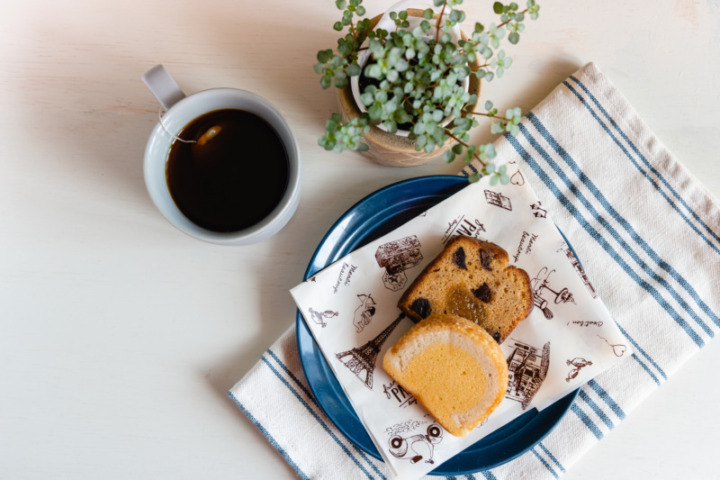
column 648, row 236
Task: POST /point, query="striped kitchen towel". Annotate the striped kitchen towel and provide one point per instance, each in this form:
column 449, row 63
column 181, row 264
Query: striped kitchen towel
column 647, row 234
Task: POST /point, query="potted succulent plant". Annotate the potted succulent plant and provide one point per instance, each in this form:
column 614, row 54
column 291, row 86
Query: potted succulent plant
column 409, row 81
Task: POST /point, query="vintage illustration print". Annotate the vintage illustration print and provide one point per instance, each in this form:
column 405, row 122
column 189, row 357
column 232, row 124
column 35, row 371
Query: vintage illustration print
column 463, row 226
column 498, row 199
column 395, row 391
column 538, row 210
column 527, row 240
column 517, row 178
column 344, row 276
column 527, row 369
column 396, row 257
column 577, row 364
column 540, row 285
column 361, row 360
column 618, row 349
column 419, row 447
column 579, row 269
column 364, row 313
column 319, row 317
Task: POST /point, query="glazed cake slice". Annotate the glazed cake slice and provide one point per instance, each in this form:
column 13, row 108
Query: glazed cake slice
column 471, row 278
column 454, row 368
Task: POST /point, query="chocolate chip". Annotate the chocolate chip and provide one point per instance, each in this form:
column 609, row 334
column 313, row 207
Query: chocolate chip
column 483, row 293
column 459, row 258
column 485, row 258
column 496, row 336
column 421, row 306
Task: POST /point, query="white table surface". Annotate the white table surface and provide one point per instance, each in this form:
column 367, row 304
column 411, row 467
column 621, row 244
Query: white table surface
column 119, row 336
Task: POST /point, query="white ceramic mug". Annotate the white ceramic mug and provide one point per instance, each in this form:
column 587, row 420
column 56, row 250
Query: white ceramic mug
column 180, row 111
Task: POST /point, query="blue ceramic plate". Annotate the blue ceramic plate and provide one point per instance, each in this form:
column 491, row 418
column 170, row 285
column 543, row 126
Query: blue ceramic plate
column 372, row 217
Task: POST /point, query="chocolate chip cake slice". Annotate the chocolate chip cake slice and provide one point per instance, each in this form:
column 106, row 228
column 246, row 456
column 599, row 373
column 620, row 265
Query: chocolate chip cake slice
column 471, row 278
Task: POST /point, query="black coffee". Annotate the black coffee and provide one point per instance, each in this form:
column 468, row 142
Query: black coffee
column 233, row 174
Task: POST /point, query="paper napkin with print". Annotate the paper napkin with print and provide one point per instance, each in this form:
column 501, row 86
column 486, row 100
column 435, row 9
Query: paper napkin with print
column 567, row 339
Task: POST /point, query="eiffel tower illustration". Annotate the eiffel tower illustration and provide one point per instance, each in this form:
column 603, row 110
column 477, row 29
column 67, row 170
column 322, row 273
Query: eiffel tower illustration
column 361, row 360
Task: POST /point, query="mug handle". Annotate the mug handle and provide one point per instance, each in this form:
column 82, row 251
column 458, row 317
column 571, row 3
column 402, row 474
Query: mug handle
column 163, row 86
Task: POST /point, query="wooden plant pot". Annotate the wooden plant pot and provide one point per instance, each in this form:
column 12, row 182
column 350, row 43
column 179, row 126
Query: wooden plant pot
column 397, row 150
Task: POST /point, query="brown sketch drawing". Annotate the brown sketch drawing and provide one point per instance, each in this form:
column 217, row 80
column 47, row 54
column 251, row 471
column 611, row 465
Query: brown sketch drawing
column 541, row 287
column 361, row 360
column 538, row 210
column 618, row 349
column 365, row 312
column 319, row 317
column 580, row 271
column 498, row 199
column 402, row 397
column 396, row 257
column 577, row 364
column 416, row 448
column 527, row 369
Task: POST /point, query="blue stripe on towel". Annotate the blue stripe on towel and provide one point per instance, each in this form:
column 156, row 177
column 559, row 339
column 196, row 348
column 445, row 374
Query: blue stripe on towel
column 607, row 398
column 317, row 418
column 546, row 464
column 638, row 348
column 595, row 408
column 488, row 475
column 592, row 188
column 586, row 420
column 270, row 438
column 599, row 238
column 307, row 392
column 677, row 197
column 646, row 368
column 294, row 378
column 613, row 212
column 551, row 456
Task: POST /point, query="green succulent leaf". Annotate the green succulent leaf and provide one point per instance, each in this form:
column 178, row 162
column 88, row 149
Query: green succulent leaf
column 475, row 177
column 353, row 70
column 449, row 156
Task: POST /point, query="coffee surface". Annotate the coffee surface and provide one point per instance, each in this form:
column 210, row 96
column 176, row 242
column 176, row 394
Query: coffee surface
column 232, row 175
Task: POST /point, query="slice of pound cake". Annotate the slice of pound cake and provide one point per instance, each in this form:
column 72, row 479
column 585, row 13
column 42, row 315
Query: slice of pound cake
column 471, row 278
column 454, row 369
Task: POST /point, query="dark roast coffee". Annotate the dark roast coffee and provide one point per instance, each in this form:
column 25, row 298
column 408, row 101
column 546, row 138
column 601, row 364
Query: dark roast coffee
column 232, row 175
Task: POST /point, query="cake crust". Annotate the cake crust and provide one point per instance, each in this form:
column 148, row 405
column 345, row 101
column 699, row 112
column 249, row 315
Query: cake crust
column 453, row 367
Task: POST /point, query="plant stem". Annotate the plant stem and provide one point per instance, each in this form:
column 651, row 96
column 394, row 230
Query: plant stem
column 483, row 114
column 437, row 24
column 477, row 157
column 505, row 23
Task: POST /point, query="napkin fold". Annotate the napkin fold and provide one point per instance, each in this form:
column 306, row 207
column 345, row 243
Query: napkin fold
column 648, row 235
